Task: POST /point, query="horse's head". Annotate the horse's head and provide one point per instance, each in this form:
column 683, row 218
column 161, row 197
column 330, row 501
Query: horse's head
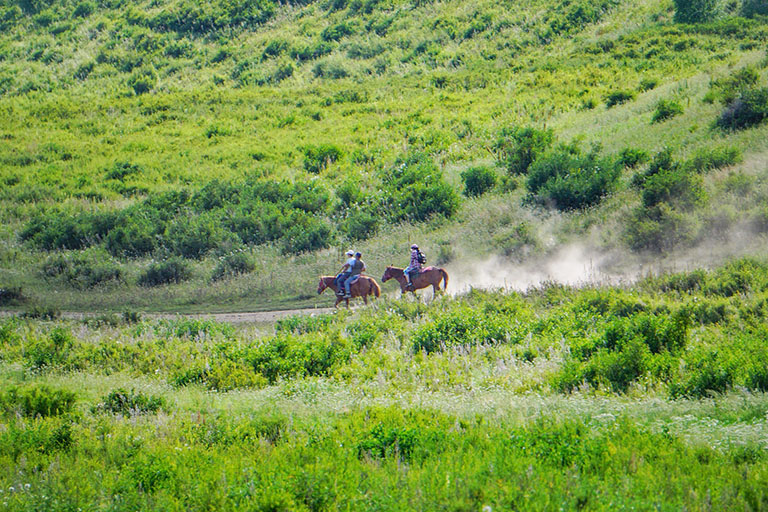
column 321, row 286
column 387, row 274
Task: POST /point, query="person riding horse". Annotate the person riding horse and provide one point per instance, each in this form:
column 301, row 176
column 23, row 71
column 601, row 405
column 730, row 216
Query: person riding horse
column 353, row 267
column 344, row 273
column 414, row 267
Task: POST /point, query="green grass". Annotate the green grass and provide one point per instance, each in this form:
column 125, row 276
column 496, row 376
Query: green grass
column 441, row 81
column 356, row 409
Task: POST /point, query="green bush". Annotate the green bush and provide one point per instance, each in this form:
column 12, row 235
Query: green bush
column 659, row 229
column 460, row 326
column 752, row 8
column 195, row 236
column 233, row 264
column 414, row 190
column 11, row 295
column 750, row 108
column 143, row 80
column 130, row 403
column 84, row 9
column 320, row 157
column 619, row 97
column 360, row 224
column 37, row 400
column 707, row 159
column 697, row 11
column 666, row 109
column 569, row 179
column 82, row 271
column 171, row 271
column 517, row 148
column 336, row 32
column 631, row 157
column 289, row 356
column 478, row 181
column 309, row 234
column 49, row 352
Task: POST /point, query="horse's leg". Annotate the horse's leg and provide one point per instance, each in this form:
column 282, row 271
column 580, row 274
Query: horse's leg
column 338, row 299
column 365, row 299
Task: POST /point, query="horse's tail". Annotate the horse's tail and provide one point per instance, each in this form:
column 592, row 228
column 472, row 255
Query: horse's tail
column 445, row 278
column 376, row 288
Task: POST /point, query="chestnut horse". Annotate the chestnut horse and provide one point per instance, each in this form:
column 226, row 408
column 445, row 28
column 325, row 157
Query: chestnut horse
column 428, row 276
column 363, row 287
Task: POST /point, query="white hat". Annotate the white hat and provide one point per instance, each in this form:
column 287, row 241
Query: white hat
column 350, row 252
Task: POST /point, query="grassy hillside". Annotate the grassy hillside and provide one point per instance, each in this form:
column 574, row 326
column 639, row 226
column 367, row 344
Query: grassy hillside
column 165, row 155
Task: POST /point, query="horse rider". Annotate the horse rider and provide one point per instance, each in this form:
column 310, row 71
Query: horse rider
column 345, row 272
column 414, row 267
column 357, row 268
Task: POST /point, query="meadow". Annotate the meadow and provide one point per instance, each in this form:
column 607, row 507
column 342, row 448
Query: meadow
column 650, row 396
column 175, row 156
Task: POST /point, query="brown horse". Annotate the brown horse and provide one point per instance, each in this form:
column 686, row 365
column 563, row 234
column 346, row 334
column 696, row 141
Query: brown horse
column 363, row 287
column 428, row 276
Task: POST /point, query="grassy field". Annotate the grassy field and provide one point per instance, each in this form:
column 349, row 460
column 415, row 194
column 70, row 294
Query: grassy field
column 592, row 175
column 602, row 398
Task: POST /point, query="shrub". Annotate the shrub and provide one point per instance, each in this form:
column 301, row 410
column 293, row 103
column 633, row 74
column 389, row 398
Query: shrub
column 42, row 312
column 336, row 32
column 570, row 180
column 707, row 159
column 415, row 190
column 631, row 157
column 308, row 235
column 619, row 97
column 50, row 351
column 478, row 181
column 461, row 326
column 318, row 158
column 37, row 400
column 84, row 70
column 195, row 236
column 517, row 148
column 360, row 224
column 658, row 229
column 11, row 295
column 647, row 84
column 143, row 80
column 130, row 403
column 81, row 271
column 679, row 188
column 666, row 109
column 752, row 8
column 697, row 11
column 173, row 270
column 84, row 9
column 233, row 264
column 302, row 324
column 309, row 355
column 727, row 89
column 747, row 110
column 518, row 240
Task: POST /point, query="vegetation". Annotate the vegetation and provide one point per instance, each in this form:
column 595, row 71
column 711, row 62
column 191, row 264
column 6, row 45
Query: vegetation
column 489, row 388
column 137, row 134
column 181, row 156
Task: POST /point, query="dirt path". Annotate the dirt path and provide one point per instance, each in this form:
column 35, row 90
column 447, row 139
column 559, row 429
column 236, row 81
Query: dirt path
column 232, row 318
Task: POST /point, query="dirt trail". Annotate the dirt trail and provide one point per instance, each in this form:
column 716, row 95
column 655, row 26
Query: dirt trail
column 233, row 318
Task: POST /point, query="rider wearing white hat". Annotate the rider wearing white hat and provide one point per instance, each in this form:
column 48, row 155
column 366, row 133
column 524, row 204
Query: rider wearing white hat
column 345, row 272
